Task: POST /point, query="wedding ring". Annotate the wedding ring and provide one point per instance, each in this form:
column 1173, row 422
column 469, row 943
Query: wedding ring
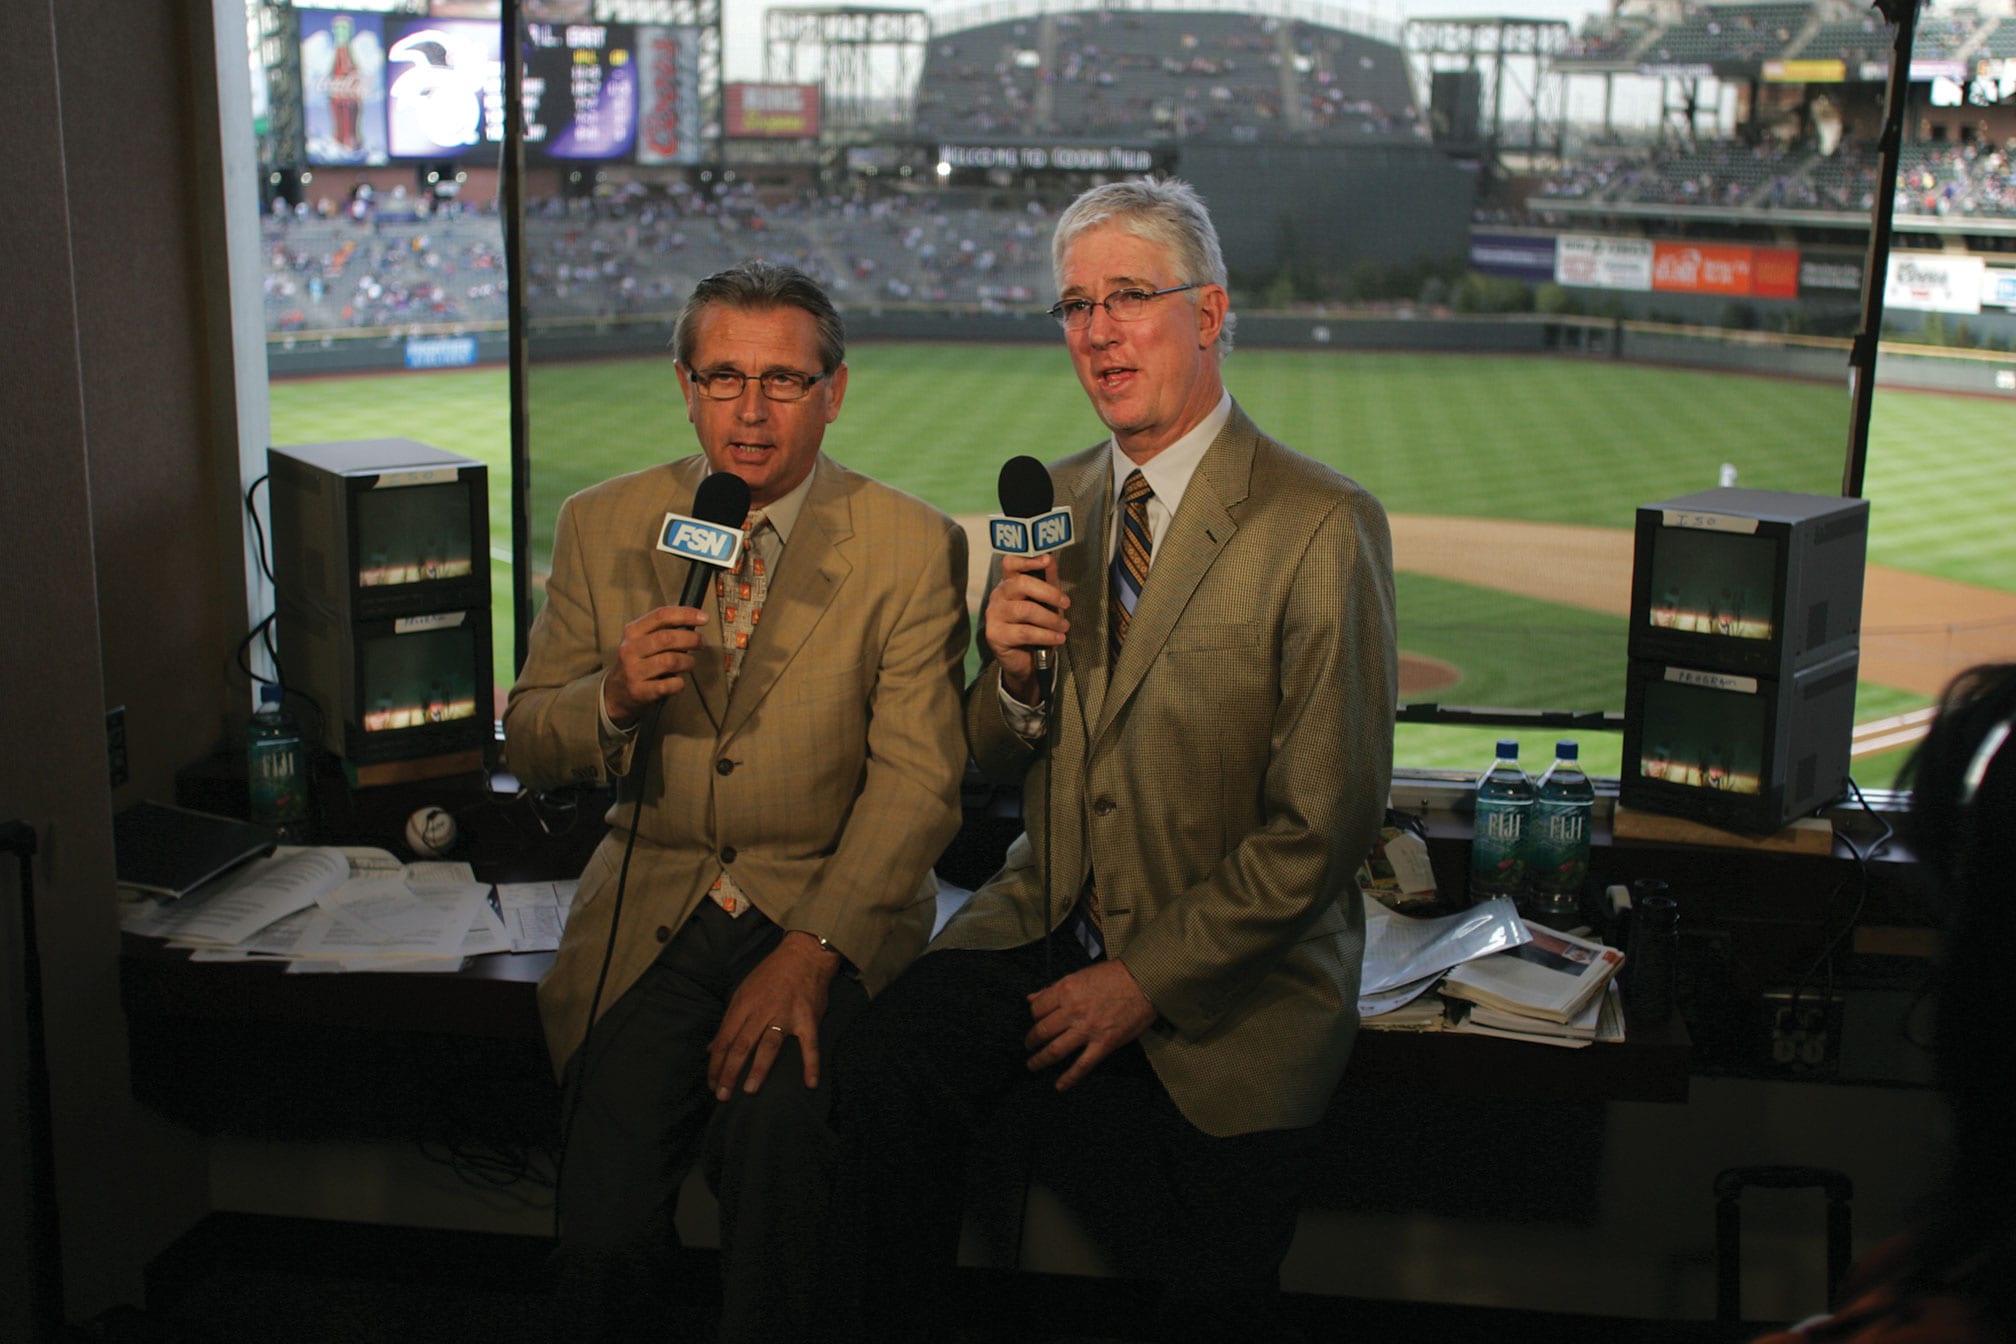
column 779, row 1030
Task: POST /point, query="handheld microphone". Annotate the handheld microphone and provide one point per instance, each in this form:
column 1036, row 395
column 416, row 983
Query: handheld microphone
column 711, row 538
column 1027, row 524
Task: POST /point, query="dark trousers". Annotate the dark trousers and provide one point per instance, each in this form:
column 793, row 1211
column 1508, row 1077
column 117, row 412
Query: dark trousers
column 641, row 1116
column 933, row 1058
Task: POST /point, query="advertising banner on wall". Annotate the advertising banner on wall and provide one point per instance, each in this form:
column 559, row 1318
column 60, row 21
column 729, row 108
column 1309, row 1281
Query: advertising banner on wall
column 1934, row 282
column 1603, row 263
column 770, row 111
column 1518, row 255
column 343, row 88
column 1998, row 288
column 1039, row 158
column 1725, row 268
column 668, row 95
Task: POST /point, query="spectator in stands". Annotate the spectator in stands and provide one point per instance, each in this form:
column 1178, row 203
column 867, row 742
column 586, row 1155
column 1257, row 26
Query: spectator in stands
column 1174, row 957
column 1951, row 1278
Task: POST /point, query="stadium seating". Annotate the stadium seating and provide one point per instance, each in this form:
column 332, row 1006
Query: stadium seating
column 1170, row 76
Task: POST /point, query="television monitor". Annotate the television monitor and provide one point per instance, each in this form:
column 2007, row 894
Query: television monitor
column 379, row 527
column 1740, row 752
column 396, row 689
column 581, row 91
column 342, row 88
column 444, row 97
column 1760, row 582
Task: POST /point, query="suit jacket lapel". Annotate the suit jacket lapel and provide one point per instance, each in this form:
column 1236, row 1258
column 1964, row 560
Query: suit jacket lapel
column 1196, row 536
column 706, row 681
column 808, row 576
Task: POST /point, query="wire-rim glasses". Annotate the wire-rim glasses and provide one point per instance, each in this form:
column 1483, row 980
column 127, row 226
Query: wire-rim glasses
column 776, row 384
column 1122, row 305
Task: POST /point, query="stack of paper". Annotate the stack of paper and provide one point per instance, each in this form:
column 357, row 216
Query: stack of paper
column 1555, row 987
column 326, row 908
column 1405, row 956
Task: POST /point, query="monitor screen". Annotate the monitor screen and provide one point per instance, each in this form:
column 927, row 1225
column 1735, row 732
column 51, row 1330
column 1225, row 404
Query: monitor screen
column 1703, row 737
column 419, row 678
column 1713, row 583
column 446, row 92
column 413, row 534
column 580, row 90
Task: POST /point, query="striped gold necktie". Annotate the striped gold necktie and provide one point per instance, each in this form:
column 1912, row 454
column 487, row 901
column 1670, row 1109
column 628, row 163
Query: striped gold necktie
column 1130, row 559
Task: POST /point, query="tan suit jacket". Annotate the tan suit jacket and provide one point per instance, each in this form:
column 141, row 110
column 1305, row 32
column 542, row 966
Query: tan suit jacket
column 829, row 779
column 1222, row 782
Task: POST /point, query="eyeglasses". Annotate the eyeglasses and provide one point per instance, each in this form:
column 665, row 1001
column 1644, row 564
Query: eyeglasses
column 777, row 384
column 1122, row 305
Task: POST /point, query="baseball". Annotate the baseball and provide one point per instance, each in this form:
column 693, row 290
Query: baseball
column 430, row 832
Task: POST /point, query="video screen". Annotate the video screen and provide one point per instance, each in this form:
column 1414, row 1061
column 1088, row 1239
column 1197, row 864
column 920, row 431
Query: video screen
column 413, row 534
column 1703, row 738
column 580, row 90
column 1713, row 583
column 420, row 678
column 447, row 87
column 343, row 88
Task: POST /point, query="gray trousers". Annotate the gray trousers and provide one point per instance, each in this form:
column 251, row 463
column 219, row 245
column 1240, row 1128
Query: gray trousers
column 642, row 1115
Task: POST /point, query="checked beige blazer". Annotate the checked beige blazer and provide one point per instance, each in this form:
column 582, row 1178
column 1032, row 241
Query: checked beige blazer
column 1222, row 782
column 829, row 779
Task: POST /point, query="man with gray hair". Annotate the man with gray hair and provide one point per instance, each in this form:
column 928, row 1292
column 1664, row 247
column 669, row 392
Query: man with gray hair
column 789, row 757
column 1173, row 944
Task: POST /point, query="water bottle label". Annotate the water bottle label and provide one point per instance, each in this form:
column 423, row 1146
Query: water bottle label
column 1497, row 861
column 1559, row 854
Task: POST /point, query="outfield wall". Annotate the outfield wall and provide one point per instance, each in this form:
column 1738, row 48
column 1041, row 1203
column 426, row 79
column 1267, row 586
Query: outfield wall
column 1825, row 359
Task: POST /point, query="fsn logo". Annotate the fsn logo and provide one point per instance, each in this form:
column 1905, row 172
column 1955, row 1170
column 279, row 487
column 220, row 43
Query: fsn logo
column 696, row 539
column 1011, row 536
column 1053, row 530
column 691, row 540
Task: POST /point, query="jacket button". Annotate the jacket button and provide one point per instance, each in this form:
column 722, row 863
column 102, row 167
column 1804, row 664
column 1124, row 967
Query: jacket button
column 1105, row 807
column 664, row 934
column 724, row 766
column 727, row 853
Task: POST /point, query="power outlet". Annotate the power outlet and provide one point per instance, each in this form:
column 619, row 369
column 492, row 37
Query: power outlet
column 115, row 745
column 1803, row 1033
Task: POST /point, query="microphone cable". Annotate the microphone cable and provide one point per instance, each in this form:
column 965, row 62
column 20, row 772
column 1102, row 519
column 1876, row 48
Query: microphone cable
column 647, row 737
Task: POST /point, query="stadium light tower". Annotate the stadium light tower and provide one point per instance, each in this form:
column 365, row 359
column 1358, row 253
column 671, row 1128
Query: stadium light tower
column 867, row 62
column 1509, row 62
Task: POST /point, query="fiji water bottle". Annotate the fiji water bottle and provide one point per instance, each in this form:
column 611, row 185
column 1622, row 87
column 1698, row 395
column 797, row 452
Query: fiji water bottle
column 1557, row 842
column 276, row 764
column 1497, row 847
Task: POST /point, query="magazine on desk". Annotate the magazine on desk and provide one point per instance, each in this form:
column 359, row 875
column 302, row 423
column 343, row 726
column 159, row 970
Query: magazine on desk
column 331, row 908
column 1552, row 975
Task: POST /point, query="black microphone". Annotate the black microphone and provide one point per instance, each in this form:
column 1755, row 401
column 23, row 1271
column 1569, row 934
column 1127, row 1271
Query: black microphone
column 1025, row 490
column 723, row 500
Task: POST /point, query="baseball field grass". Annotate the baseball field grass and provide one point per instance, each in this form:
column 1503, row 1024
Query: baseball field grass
column 1542, row 440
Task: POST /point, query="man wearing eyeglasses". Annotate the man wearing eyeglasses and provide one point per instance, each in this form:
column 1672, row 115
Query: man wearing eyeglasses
column 1172, row 947
column 790, row 754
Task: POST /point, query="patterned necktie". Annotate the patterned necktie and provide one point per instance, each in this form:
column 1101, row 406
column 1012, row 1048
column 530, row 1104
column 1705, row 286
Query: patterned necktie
column 741, row 597
column 1130, row 559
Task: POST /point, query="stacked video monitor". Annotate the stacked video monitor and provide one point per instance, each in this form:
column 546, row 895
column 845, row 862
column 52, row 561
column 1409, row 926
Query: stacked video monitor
column 1745, row 645
column 381, row 567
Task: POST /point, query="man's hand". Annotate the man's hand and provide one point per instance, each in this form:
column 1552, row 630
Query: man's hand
column 1024, row 610
column 651, row 662
column 1090, row 1013
column 784, row 996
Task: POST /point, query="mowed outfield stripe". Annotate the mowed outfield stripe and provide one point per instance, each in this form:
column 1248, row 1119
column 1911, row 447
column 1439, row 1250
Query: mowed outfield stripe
column 1917, row 631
